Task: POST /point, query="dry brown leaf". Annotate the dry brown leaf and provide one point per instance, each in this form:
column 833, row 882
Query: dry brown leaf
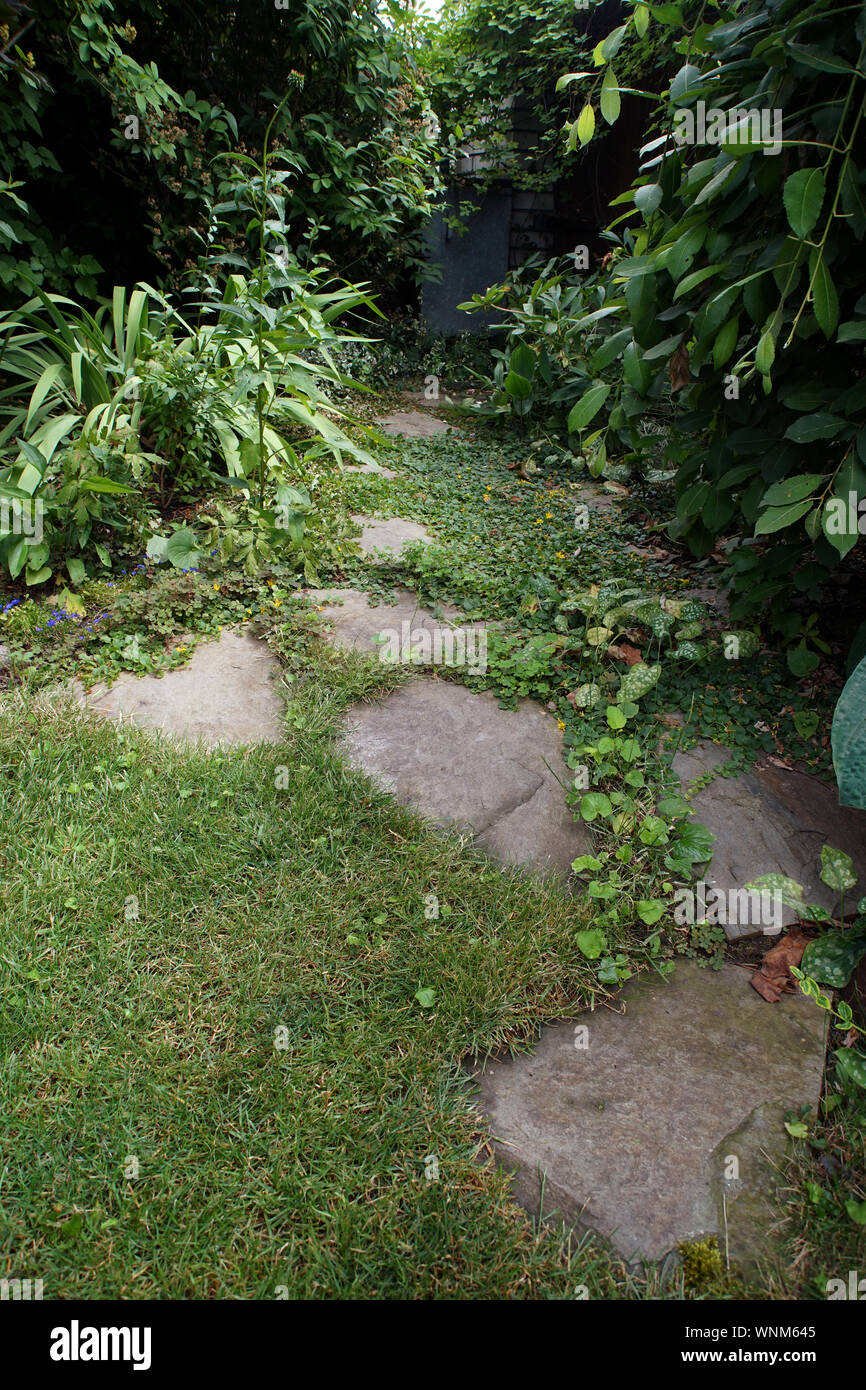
column 774, row 977
column 623, row 652
column 679, row 368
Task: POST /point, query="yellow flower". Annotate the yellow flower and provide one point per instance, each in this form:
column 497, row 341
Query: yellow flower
column 276, row 603
column 217, row 587
column 561, row 723
column 560, row 554
column 548, row 516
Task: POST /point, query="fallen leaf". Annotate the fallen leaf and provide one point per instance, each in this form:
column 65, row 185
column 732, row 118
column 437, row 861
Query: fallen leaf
column 623, row 652
column 679, row 368
column 774, row 977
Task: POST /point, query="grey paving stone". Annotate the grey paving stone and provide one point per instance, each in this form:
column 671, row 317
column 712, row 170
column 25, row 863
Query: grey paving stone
column 460, row 760
column 370, row 468
column 412, row 631
column 227, row 694
column 770, row 820
column 413, row 424
column 389, row 535
column 634, row 1132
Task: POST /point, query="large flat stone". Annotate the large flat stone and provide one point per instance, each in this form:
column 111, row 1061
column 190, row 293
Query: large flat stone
column 227, row 694
column 355, row 623
column 370, row 468
column 634, row 1134
column 413, row 424
column 389, row 536
column 770, row 820
column 460, row 760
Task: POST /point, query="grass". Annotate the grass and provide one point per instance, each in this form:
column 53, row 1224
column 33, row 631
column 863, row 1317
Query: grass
column 218, row 1077
column 210, row 978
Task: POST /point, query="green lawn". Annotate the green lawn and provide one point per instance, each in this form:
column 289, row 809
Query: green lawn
column 217, row 1078
column 265, row 1158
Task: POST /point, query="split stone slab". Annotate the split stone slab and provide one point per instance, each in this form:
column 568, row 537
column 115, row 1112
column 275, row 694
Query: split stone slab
column 390, row 535
column 227, row 694
column 596, row 498
column 770, row 820
column 413, row 424
column 370, row 468
column 357, row 624
column 633, row 1133
column 457, row 758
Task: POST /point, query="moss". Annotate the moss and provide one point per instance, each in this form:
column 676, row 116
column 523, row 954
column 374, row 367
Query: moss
column 702, row 1263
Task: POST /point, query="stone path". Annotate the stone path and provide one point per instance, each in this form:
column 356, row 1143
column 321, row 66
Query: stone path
column 389, row 536
column 227, row 694
column 770, row 820
column 635, row 1121
column 459, row 759
column 636, row 1132
column 356, row 623
column 414, row 424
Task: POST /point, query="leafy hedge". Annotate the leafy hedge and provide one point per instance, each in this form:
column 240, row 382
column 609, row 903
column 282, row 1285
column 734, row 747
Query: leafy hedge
column 725, row 340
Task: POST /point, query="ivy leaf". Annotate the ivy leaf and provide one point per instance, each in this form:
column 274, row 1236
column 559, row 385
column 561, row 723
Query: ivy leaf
column 791, row 489
column 824, row 297
column 803, row 195
column 586, row 863
column 766, row 353
column 818, row 425
column 848, row 739
column 609, row 100
column 648, row 197
column 586, row 124
column 726, row 341
column 777, row 518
